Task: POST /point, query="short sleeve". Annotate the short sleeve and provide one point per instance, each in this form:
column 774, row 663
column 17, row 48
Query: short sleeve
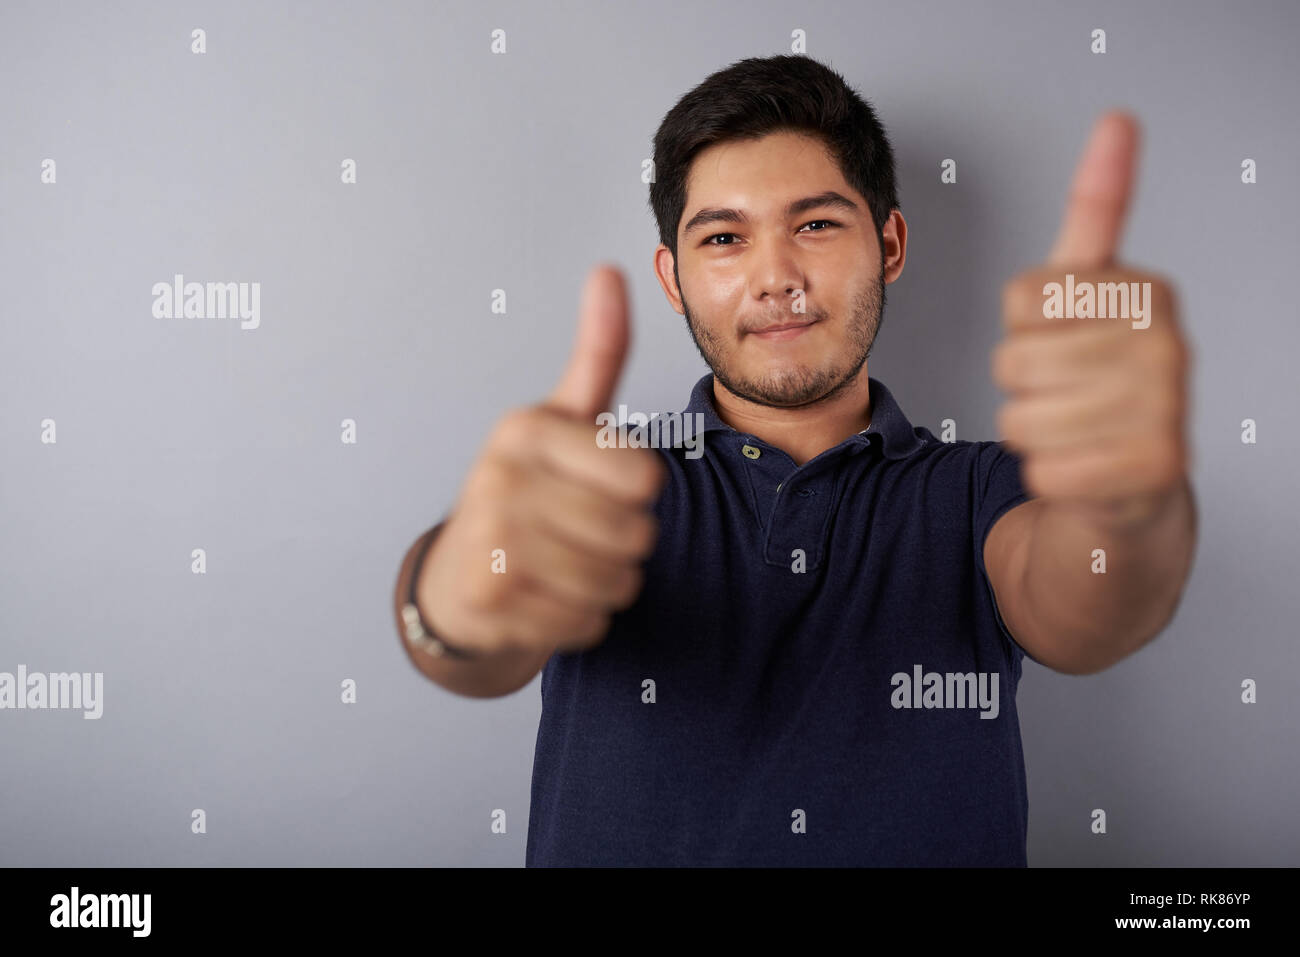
column 998, row 490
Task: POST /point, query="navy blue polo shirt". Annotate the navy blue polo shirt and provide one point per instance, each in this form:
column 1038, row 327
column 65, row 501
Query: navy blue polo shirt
column 815, row 671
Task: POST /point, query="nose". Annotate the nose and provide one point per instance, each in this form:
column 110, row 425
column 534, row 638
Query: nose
column 775, row 272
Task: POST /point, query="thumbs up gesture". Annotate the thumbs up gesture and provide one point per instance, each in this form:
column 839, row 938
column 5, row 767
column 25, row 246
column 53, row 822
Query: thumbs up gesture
column 1092, row 357
column 548, row 535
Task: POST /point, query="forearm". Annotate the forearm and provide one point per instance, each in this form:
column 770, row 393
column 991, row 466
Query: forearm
column 490, row 676
column 1097, row 618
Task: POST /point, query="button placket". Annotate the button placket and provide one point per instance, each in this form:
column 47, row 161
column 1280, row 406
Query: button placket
column 761, row 466
column 799, row 517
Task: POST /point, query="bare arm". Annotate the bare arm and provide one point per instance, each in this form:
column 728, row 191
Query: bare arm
column 1074, row 620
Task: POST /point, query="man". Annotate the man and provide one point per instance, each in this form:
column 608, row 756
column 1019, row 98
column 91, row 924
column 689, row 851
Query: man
column 802, row 647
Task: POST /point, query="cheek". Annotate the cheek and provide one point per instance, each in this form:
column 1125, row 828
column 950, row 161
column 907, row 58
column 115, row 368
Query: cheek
column 719, row 289
column 715, row 302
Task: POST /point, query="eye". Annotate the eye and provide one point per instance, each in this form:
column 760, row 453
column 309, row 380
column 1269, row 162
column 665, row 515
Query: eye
column 828, row 222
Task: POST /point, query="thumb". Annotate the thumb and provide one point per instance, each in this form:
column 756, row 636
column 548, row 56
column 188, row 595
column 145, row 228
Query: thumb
column 1099, row 195
column 600, row 348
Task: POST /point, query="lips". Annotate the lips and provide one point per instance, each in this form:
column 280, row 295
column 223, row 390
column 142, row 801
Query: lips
column 784, row 330
column 784, row 325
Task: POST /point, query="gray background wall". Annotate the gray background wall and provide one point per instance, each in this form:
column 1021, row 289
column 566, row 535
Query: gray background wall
column 519, row 171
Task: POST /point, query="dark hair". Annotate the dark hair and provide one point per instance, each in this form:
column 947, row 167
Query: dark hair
column 761, row 95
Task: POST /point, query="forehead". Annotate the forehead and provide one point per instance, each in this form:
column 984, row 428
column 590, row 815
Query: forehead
column 758, row 169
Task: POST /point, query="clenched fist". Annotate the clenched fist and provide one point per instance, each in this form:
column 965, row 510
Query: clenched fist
column 1093, row 357
column 572, row 520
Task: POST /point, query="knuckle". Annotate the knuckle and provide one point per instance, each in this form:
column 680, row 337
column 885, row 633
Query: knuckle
column 1173, row 353
column 595, row 631
column 587, row 631
column 1162, row 464
column 526, row 628
column 1164, row 297
column 1021, row 295
column 515, row 427
column 643, row 533
column 648, row 477
column 628, row 586
column 1167, row 407
column 1006, row 421
column 1004, row 364
column 494, row 478
column 1174, row 462
column 521, row 632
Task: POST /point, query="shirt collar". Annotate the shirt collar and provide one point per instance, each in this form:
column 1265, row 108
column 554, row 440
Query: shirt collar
column 889, row 426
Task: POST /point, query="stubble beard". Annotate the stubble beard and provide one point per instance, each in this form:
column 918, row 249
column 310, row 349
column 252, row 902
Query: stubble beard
column 798, row 385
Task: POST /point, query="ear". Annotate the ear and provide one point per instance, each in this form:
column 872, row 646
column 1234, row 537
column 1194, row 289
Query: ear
column 894, row 251
column 663, row 266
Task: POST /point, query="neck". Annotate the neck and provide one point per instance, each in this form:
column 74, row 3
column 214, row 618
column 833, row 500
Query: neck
column 805, row 432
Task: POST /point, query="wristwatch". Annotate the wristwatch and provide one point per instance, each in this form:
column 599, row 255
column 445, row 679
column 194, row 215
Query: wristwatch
column 418, row 632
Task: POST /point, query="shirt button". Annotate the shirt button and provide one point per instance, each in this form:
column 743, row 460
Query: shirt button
column 750, row 451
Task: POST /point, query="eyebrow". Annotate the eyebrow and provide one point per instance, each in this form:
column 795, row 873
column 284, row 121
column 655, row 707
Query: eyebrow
column 715, row 214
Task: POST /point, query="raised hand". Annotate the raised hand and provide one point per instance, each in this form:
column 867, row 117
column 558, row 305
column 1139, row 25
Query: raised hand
column 1093, row 359
column 572, row 520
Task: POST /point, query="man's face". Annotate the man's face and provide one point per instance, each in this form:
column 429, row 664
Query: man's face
column 740, row 274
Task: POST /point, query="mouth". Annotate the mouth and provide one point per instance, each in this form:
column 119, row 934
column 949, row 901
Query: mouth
column 786, row 330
